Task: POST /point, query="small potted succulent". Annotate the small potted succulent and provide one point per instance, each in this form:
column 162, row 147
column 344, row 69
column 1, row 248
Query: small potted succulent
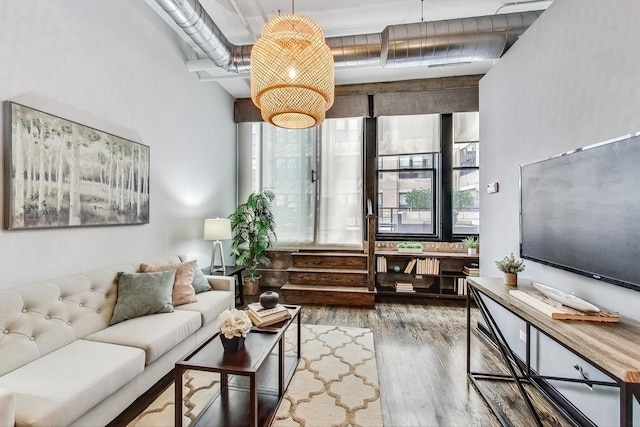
column 234, row 326
column 412, row 247
column 510, row 267
column 472, row 244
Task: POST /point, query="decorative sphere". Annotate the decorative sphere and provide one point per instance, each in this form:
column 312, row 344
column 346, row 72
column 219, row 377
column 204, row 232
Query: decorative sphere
column 396, row 268
column 269, row 299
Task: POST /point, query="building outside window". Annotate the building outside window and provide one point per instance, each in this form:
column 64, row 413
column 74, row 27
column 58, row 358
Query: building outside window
column 409, row 176
column 466, row 174
column 408, row 150
column 317, row 176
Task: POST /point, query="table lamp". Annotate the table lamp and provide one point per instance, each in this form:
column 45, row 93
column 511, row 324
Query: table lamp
column 217, row 229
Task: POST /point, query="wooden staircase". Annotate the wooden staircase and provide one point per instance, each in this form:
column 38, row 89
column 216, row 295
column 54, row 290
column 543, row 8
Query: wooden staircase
column 332, row 278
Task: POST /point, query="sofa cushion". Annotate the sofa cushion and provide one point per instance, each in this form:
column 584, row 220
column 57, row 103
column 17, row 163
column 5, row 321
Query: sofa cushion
column 39, row 318
column 7, row 408
column 141, row 294
column 155, row 334
column 56, row 389
column 210, row 304
column 183, row 292
column 200, row 283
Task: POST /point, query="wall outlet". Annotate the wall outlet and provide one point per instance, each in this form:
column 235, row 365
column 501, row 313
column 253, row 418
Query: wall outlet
column 523, row 336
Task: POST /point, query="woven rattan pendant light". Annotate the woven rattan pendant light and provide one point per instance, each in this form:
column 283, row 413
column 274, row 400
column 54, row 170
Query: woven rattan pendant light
column 292, row 77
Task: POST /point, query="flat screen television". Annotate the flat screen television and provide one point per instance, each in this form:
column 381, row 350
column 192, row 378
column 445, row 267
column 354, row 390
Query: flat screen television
column 580, row 211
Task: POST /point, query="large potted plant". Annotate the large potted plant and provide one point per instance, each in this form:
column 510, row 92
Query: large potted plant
column 253, row 229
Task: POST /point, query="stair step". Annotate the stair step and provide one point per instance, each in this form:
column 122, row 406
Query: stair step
column 328, row 277
column 330, row 260
column 325, row 288
column 326, row 270
column 330, row 295
column 334, row 254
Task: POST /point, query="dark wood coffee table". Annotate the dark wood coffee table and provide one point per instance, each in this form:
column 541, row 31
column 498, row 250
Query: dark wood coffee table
column 252, row 380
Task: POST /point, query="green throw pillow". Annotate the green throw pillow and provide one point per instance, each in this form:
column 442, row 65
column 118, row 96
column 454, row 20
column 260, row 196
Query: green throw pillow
column 200, row 283
column 140, row 294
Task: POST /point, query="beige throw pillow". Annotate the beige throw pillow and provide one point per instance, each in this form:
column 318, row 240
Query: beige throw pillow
column 183, row 292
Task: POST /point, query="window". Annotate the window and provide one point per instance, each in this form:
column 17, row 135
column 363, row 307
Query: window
column 316, row 175
column 466, row 174
column 412, row 197
column 408, row 155
column 422, row 176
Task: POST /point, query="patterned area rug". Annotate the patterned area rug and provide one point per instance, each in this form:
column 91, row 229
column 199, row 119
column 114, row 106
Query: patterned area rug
column 335, row 384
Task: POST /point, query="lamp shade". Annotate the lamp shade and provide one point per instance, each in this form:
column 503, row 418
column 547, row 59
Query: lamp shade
column 291, row 74
column 217, row 229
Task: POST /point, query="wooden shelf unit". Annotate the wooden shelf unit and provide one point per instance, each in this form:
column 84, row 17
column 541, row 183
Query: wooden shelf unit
column 433, row 275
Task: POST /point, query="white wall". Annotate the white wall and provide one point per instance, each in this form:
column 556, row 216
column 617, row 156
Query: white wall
column 116, row 66
column 572, row 80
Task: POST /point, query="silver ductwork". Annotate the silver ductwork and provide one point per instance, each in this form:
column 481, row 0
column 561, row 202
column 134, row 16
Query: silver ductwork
column 354, row 51
column 452, row 41
column 198, row 25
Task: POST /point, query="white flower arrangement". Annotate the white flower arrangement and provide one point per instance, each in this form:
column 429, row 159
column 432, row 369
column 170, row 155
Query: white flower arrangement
column 234, row 323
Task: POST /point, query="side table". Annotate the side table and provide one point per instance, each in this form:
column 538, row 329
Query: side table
column 231, row 270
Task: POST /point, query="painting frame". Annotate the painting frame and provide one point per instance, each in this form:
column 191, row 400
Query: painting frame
column 59, row 173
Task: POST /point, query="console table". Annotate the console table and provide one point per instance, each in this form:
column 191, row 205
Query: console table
column 613, row 348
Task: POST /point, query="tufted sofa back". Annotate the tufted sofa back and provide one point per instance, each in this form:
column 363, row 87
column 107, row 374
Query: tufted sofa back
column 39, row 318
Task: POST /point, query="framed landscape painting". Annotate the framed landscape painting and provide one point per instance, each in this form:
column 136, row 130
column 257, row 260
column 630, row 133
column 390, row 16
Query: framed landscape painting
column 58, row 173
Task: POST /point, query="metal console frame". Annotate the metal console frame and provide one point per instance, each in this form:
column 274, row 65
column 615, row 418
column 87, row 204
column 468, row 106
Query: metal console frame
column 520, row 372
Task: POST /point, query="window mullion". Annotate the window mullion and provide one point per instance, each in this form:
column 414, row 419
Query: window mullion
column 446, row 174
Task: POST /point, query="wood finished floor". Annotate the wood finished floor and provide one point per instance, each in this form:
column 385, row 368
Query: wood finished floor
column 421, row 356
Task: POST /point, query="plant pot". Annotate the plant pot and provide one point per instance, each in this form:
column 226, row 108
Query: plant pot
column 251, row 287
column 511, row 279
column 410, row 250
column 472, row 251
column 231, row 345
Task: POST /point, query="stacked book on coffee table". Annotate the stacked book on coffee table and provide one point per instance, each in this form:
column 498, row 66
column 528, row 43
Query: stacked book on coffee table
column 261, row 316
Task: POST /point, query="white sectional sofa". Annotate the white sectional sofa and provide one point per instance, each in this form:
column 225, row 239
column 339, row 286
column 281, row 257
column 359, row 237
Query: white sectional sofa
column 62, row 364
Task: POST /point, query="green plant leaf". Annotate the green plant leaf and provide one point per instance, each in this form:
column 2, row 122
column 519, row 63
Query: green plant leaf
column 253, row 228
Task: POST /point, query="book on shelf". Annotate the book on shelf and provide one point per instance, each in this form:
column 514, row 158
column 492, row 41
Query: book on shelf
column 409, row 268
column 404, row 287
column 381, row 266
column 261, row 316
column 471, row 270
column 461, row 285
column 422, row 267
column 428, row 266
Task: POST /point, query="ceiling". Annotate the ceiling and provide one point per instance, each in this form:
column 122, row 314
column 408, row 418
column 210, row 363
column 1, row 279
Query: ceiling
column 241, row 21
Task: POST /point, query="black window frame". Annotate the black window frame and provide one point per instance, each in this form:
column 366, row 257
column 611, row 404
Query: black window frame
column 460, row 236
column 442, row 187
column 411, row 173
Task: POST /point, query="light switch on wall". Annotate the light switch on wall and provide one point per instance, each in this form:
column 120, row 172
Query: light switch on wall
column 492, row 188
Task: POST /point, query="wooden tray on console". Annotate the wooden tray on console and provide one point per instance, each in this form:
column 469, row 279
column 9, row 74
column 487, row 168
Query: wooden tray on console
column 555, row 310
